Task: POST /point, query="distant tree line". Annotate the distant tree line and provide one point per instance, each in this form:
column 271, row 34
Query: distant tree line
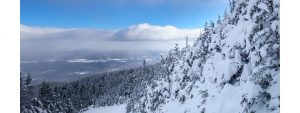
column 99, row 90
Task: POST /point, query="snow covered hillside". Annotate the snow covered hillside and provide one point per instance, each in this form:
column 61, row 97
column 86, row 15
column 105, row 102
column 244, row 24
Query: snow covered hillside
column 108, row 109
column 232, row 68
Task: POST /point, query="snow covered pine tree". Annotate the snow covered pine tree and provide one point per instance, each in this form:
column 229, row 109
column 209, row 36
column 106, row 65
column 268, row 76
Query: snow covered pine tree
column 232, row 68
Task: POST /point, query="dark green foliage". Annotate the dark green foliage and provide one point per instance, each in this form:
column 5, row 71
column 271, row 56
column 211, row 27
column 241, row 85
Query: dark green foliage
column 98, row 90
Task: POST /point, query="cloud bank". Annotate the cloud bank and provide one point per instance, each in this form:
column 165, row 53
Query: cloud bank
column 149, row 32
column 47, row 42
column 140, row 32
column 42, row 33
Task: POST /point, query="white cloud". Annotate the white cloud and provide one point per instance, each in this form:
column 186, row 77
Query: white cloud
column 29, row 32
column 46, row 42
column 140, row 32
column 149, row 32
column 37, row 32
column 41, row 30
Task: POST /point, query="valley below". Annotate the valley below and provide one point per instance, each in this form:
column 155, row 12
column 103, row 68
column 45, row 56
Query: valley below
column 73, row 69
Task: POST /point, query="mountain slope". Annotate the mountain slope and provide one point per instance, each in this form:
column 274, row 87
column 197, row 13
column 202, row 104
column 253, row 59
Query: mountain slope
column 233, row 67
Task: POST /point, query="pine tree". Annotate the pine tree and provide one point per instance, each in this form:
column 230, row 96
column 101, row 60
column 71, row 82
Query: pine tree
column 28, row 89
column 46, row 96
column 144, row 62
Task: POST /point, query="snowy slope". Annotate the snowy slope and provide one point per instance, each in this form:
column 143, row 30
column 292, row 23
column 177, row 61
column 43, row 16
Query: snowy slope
column 108, row 109
column 232, row 68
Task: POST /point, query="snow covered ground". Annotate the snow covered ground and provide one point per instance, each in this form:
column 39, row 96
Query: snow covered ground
column 108, row 109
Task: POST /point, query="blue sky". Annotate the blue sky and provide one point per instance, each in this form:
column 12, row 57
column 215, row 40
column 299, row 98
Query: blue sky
column 117, row 14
